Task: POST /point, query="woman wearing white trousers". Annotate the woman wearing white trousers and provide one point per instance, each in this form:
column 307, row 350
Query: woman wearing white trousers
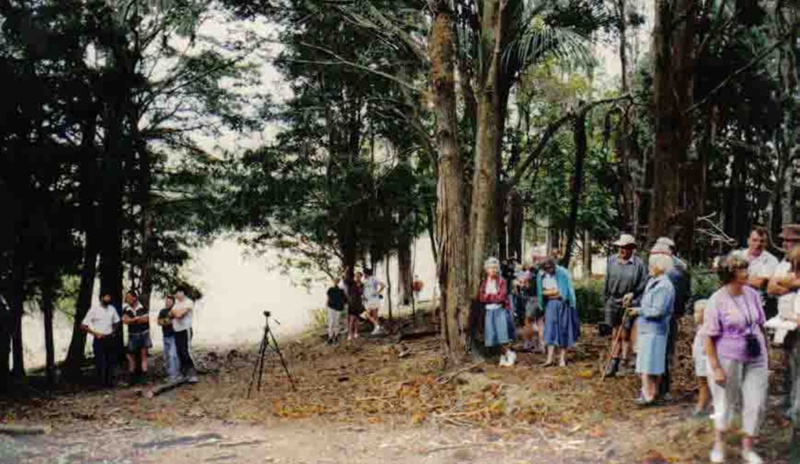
column 737, row 357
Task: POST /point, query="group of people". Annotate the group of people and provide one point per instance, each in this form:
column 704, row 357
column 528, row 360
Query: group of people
column 358, row 294
column 104, row 323
column 642, row 306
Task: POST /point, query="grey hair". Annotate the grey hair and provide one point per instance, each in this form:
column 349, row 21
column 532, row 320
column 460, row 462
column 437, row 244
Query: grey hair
column 491, row 262
column 661, row 261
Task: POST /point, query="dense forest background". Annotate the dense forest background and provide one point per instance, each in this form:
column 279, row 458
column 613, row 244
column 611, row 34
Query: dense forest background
column 483, row 123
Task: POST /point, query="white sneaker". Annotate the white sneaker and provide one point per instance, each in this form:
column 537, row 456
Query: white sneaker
column 376, row 330
column 503, row 360
column 751, row 457
column 512, row 358
column 717, row 455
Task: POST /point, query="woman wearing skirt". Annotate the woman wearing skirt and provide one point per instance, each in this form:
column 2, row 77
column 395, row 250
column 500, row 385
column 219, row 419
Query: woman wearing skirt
column 499, row 328
column 557, row 296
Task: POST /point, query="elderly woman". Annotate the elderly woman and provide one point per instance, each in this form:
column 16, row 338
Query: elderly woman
column 654, row 314
column 557, row 296
column 737, row 356
column 499, row 327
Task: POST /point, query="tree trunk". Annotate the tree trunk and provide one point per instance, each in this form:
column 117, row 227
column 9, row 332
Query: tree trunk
column 48, row 299
column 17, row 302
column 389, row 287
column 89, row 186
column 487, row 143
column 451, row 223
column 516, row 218
column 672, row 92
column 587, row 254
column 5, row 343
column 579, row 133
column 405, row 274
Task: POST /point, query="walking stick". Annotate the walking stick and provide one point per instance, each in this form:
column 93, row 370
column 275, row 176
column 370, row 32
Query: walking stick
column 617, row 340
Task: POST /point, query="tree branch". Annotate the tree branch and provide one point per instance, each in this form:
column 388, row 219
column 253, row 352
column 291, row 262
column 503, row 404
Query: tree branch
column 550, row 131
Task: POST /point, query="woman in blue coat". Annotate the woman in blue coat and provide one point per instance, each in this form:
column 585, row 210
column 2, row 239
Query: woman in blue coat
column 653, row 326
column 557, row 296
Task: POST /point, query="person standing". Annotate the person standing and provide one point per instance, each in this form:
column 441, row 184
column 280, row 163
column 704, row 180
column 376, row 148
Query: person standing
column 355, row 305
column 499, row 326
column 102, row 322
column 181, row 315
column 557, row 296
column 336, row 303
column 655, row 313
column 373, row 295
column 626, row 276
column 737, row 357
column 170, row 348
column 682, row 282
column 137, row 318
column 784, row 285
column 762, row 265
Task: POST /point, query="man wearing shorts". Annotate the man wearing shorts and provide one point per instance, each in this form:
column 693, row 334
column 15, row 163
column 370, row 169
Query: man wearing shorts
column 626, row 277
column 136, row 317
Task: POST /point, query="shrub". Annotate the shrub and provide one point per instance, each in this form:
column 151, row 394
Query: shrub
column 589, row 300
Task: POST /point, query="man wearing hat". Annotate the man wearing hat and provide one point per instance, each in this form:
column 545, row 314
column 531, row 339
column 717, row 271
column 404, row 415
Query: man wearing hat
column 682, row 282
column 626, row 277
column 784, row 284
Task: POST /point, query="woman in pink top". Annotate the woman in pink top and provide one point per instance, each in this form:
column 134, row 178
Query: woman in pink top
column 737, row 357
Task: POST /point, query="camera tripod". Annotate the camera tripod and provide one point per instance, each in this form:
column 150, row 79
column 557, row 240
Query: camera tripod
column 268, row 345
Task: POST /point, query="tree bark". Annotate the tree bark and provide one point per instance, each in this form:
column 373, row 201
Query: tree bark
column 516, row 218
column 488, row 141
column 17, row 301
column 587, row 254
column 5, row 343
column 389, row 287
column 48, row 300
column 672, row 92
column 579, row 133
column 405, row 274
column 451, row 222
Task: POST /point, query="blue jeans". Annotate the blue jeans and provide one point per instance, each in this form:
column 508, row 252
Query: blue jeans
column 171, row 357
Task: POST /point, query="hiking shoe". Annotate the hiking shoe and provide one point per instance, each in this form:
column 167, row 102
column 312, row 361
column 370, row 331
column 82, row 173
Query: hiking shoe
column 751, row 457
column 613, row 367
column 512, row 358
column 717, row 455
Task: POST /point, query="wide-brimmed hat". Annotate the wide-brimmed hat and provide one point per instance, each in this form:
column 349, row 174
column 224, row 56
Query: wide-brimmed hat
column 625, row 240
column 790, row 232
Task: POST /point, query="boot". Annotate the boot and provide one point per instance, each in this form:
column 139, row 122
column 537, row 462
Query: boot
column 613, row 368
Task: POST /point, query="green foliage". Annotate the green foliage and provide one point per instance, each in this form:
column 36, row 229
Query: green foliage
column 704, row 282
column 589, row 300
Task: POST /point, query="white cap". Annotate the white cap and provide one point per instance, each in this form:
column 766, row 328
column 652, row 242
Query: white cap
column 625, row 240
column 665, row 241
column 661, row 248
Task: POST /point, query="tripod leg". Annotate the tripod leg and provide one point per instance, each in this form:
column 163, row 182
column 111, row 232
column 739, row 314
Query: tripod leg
column 283, row 361
column 263, row 354
column 259, row 362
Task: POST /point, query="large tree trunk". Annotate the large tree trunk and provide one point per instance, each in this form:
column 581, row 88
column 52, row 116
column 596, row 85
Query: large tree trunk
column 451, row 222
column 672, row 92
column 75, row 353
column 488, row 141
column 516, row 218
column 5, row 342
column 627, row 215
column 579, row 133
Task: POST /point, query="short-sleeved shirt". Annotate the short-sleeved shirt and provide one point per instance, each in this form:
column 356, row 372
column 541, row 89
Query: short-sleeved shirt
column 762, row 266
column 729, row 320
column 336, row 298
column 167, row 330
column 184, row 323
column 549, row 282
column 371, row 293
column 101, row 319
column 138, row 311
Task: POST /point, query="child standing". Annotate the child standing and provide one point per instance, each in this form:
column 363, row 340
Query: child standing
column 336, row 302
column 700, row 360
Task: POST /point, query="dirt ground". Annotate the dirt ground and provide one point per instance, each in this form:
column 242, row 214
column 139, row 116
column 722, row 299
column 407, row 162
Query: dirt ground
column 374, row 400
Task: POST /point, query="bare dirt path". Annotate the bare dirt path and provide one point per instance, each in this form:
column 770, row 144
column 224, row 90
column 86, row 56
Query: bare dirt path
column 310, row 441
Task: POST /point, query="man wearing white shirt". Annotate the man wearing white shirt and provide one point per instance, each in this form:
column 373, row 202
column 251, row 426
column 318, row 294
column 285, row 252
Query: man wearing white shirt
column 102, row 322
column 181, row 315
column 762, row 263
column 785, row 285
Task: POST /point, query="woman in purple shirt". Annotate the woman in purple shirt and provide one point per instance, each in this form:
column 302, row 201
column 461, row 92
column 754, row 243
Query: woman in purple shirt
column 737, row 357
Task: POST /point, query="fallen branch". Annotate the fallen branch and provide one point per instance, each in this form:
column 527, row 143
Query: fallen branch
column 18, row 430
column 165, row 388
column 447, row 378
column 465, row 445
